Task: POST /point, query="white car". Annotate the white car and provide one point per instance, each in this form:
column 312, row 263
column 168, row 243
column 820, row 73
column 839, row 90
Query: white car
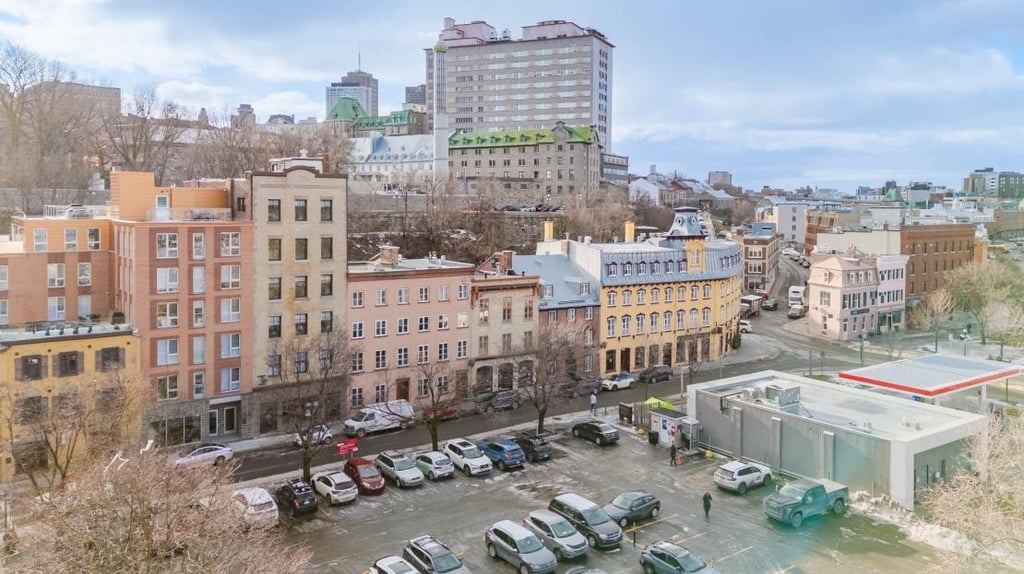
column 320, row 435
column 467, row 457
column 392, row 565
column 435, row 465
column 741, row 475
column 335, row 486
column 256, row 507
column 616, row 382
column 204, row 454
column 745, row 326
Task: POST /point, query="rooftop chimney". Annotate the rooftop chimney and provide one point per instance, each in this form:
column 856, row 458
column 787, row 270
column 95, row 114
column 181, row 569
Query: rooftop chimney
column 389, row 254
column 549, row 230
column 630, row 232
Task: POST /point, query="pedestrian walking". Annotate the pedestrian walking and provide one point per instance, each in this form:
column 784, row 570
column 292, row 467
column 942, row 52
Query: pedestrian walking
column 707, row 504
column 672, row 451
column 593, row 403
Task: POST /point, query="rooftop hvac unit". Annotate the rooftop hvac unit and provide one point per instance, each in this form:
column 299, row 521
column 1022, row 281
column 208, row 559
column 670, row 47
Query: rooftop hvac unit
column 782, row 393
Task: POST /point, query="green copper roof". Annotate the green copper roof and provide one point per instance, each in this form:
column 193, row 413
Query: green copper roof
column 346, row 110
column 349, row 110
column 583, row 135
column 400, row 118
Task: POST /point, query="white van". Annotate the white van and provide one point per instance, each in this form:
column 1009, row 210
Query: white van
column 380, row 417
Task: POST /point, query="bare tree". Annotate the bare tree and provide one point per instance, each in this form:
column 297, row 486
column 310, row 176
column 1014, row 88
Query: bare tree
column 137, row 513
column 692, row 368
column 601, row 220
column 976, row 288
column 89, row 417
column 1005, row 321
column 546, row 371
column 223, row 150
column 328, row 139
column 314, row 374
column 145, row 135
column 438, row 398
column 934, row 313
column 985, row 501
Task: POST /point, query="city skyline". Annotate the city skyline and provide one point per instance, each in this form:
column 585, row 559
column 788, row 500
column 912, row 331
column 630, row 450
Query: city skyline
column 833, row 96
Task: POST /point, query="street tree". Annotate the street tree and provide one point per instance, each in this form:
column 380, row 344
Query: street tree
column 51, row 437
column 135, row 512
column 977, row 287
column 438, row 397
column 1005, row 321
column 310, row 386
column 985, row 501
column 934, row 313
column 547, row 364
column 144, row 136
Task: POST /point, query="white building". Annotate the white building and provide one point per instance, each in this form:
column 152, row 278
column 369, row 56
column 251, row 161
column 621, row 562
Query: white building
column 398, row 160
column 790, row 219
column 842, row 295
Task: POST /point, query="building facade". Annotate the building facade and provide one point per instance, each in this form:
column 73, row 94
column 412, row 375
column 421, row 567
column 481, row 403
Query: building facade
column 719, row 178
column 615, row 168
column 892, row 292
column 358, row 85
column 557, row 71
column 842, row 295
column 934, row 251
column 503, row 323
column 760, row 257
column 416, row 94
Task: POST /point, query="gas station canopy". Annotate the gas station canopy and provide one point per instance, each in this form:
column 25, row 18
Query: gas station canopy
column 931, row 376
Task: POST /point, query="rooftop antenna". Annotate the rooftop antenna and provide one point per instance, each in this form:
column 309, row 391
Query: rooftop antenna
column 359, row 61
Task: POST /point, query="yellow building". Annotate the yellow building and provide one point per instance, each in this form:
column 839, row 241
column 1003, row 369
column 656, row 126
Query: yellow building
column 68, row 388
column 665, row 300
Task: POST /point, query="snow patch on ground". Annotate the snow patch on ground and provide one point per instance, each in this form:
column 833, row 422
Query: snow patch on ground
column 885, row 510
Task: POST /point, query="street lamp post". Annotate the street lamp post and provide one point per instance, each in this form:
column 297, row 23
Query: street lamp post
column 863, row 335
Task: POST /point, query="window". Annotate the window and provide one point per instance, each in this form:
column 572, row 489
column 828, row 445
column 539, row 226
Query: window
column 484, row 310
column 31, row 368
column 301, row 323
column 166, row 245
column 693, row 318
column 462, row 349
column 301, row 249
column 423, row 354
column 641, row 297
column 326, row 248
column 198, row 246
column 382, row 297
column 274, row 249
column 39, row 240
column 167, row 352
column 198, row 350
column 424, row 295
column 4, row 312
column 198, row 384
column 4, row 275
column 198, row 280
column 442, row 293
column 462, row 320
column 166, row 315
column 403, row 296
column 230, row 345
column 55, row 308
column 424, row 323
column 230, row 276
column 640, row 324
column 589, row 314
column 326, row 284
column 326, row 321
column 357, row 330
column 380, row 359
column 707, row 291
column 611, row 326
column 301, row 287
column 506, row 309
column 301, row 362
column 403, row 325
column 553, row 316
column 231, row 310
column 166, row 279
column 357, row 367
column 694, row 292
column 70, row 239
column 484, row 343
column 55, row 275
column 274, row 327
column 625, row 325
column 198, row 313
column 403, row 356
column 613, row 270
column 326, row 210
column 230, row 379
column 167, row 387
column 654, row 295
column 380, row 393
column 274, row 288
column 442, row 321
column 442, row 351
column 627, row 298
column 230, row 244
column 654, row 322
column 273, row 210
column 506, row 343
column 380, row 328
column 423, row 387
column 627, row 269
column 612, row 298
column 668, row 294
column 326, row 360
column 300, row 210
column 92, row 239
column 68, row 364
column 357, row 299
column 463, row 292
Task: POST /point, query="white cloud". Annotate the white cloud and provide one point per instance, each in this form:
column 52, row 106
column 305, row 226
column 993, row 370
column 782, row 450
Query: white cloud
column 195, row 95
column 289, row 102
column 942, row 70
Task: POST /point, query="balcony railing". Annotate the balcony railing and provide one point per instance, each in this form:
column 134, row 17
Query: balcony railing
column 188, row 214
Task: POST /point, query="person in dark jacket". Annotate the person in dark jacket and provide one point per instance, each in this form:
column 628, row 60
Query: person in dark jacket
column 707, row 504
column 672, row 451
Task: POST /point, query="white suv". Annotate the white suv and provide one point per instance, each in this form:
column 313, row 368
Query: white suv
column 739, row 475
column 399, row 468
column 467, row 457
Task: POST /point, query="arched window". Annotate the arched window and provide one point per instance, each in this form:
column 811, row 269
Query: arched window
column 682, row 294
column 721, row 312
column 655, row 295
column 707, row 291
column 706, row 313
column 627, row 269
column 668, row 320
column 641, row 296
column 640, row 324
column 694, row 292
column 654, row 322
column 625, row 325
column 680, row 320
column 627, row 298
column 613, row 270
column 611, row 327
column 641, row 268
column 668, row 295
column 693, row 318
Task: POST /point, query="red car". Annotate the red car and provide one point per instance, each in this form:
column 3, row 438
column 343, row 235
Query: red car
column 366, row 476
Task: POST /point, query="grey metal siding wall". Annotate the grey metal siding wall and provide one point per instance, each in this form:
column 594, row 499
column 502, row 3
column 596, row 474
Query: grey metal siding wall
column 715, row 423
column 862, row 462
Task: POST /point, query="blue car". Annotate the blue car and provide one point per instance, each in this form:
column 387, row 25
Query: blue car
column 503, row 453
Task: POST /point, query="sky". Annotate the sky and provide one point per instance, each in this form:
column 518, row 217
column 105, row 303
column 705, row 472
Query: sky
column 787, row 93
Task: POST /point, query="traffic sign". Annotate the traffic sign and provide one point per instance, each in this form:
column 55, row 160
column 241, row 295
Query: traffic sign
column 348, row 446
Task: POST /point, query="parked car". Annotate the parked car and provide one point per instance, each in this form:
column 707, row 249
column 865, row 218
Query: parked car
column 366, row 476
column 557, row 533
column 667, row 558
column 656, row 374
column 804, row 498
column 741, row 475
column 320, row 435
column 256, row 507
column 380, row 417
column 497, row 401
column 632, row 507
column 335, row 486
column 441, row 413
column 579, row 387
column 745, row 326
column 399, row 468
column 521, row 548
column 429, row 555
column 435, row 465
column 297, row 497
column 536, row 447
column 795, row 311
column 770, row 305
column 590, row 519
column 600, row 432
column 503, row 453
column 391, row 565
column 618, row 381
column 467, row 457
column 209, row 453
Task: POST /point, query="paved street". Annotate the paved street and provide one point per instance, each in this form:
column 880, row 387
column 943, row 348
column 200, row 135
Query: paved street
column 738, row 538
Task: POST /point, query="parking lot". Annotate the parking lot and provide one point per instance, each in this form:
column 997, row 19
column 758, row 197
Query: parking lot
column 736, row 538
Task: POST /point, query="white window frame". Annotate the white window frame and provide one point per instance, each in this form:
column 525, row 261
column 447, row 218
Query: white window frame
column 403, row 326
column 422, row 354
column 199, row 313
column 56, row 308
column 4, row 312
column 402, row 359
column 380, row 328
column 170, row 248
column 70, row 239
column 166, row 279
column 358, row 330
column 171, row 390
column 461, row 349
column 463, row 291
column 462, row 320
column 230, row 243
column 230, row 276
column 230, row 345
column 442, row 293
column 381, row 297
column 40, row 241
column 199, row 350
column 169, row 312
column 231, row 310
column 423, row 295
column 55, row 276
column 167, row 351
column 198, row 246
column 403, row 296
column 4, row 277
column 90, row 243
column 198, row 280
column 230, row 379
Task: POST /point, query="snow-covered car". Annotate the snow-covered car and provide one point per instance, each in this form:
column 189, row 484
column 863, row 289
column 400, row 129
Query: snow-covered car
column 256, row 506
column 741, row 475
column 320, row 435
column 204, row 454
column 335, row 486
column 392, row 565
column 467, row 457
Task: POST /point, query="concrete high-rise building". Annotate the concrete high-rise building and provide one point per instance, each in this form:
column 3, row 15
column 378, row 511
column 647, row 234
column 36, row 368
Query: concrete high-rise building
column 358, row 85
column 416, row 94
column 557, row 71
column 719, row 178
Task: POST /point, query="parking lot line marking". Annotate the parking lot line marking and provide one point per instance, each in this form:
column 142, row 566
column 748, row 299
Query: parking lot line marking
column 651, row 523
column 728, row 556
column 678, row 538
column 784, row 570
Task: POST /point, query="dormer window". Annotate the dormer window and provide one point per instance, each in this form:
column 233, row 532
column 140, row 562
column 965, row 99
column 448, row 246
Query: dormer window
column 549, row 291
column 613, row 270
column 627, row 269
column 670, row 267
column 641, row 268
column 681, row 265
column 584, row 288
column 656, row 268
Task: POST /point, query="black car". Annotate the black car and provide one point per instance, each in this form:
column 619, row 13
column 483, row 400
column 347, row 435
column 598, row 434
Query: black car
column 656, row 374
column 770, row 305
column 579, row 387
column 297, row 497
column 535, row 447
column 600, row 432
column 632, row 507
column 497, row 401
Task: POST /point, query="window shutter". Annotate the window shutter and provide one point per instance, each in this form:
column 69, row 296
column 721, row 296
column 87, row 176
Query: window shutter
column 99, row 367
column 19, row 370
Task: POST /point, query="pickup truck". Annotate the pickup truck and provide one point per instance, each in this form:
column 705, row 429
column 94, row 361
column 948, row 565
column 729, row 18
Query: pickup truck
column 804, row 498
